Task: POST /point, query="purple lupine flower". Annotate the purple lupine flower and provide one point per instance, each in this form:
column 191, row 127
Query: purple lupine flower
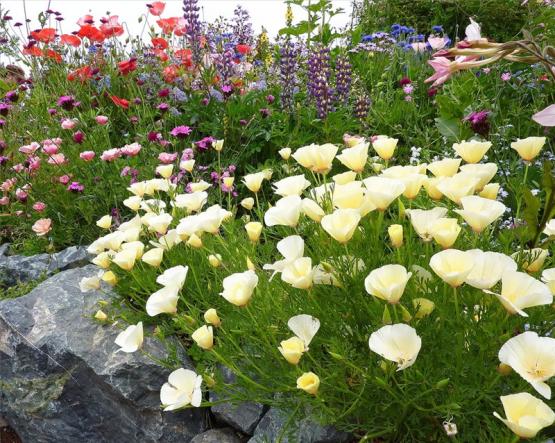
column 479, row 122
column 242, row 27
column 362, row 107
column 191, row 16
column 288, row 67
column 343, row 79
column 76, row 187
column 181, row 131
column 318, row 80
column 225, row 65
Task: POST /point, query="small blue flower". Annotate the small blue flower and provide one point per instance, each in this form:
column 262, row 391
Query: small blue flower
column 437, row 28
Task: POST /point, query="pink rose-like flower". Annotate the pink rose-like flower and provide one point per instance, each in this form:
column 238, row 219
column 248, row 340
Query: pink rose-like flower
column 111, row 154
column 29, row 149
column 87, row 155
column 64, row 179
column 50, row 149
column 57, row 159
column 39, row 206
column 34, row 163
column 101, row 119
column 68, row 123
column 42, row 226
column 131, row 150
column 18, row 168
column 4, row 201
column 167, row 158
column 8, row 184
column 21, row 195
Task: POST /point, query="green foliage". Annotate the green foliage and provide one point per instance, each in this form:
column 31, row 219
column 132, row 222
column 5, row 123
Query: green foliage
column 20, row 289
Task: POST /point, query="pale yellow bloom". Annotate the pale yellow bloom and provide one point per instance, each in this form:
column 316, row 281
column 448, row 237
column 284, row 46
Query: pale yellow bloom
column 344, row 177
column 444, row 168
column 228, row 181
column 445, row 231
column 125, row 259
column 480, row 212
column 193, row 201
column 133, row 203
column 458, row 186
column 385, row 146
column 211, row 317
column 239, row 287
column 131, row 339
column 102, row 260
column 293, row 185
column 182, row 389
column 292, row 349
column 187, row 165
column 423, row 306
column 550, row 228
column 452, row 266
column 488, row 269
column 204, row 337
column 164, row 171
column 398, row 343
column 110, row 278
column 312, row 210
column 286, row 212
column 483, row 172
column 153, row 257
column 254, row 229
column 163, row 301
column 531, row 260
column 299, row 273
column 430, row 185
column 341, row 224
column 317, row 158
column 533, row 358
column 304, row 327
column 355, row 158
column 395, row 235
column 422, row 220
column 490, row 191
column 104, row 222
column 387, row 283
column 382, row 191
column 285, row 153
column 100, row 315
column 215, row 260
column 309, row 382
column 254, row 181
column 520, row 291
column 247, row 203
column 471, row 151
column 548, row 277
column 194, row 241
column 528, row 148
column 526, row 414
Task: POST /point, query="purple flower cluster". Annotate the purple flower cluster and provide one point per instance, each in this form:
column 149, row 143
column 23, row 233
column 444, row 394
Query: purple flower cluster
column 191, row 15
column 319, row 73
column 479, row 122
column 224, row 65
column 343, row 79
column 288, row 66
column 362, row 107
column 242, row 27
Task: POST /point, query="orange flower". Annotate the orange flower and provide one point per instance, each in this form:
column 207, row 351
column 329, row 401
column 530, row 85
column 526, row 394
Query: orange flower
column 45, row 35
column 121, row 102
column 72, row 40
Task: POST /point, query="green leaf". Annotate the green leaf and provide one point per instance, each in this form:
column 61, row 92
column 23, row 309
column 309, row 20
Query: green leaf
column 448, row 127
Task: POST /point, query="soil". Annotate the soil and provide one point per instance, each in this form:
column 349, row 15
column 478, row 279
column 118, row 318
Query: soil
column 8, row 435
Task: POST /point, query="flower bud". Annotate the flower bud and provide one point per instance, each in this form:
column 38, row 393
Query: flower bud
column 396, row 235
column 211, row 317
column 204, row 337
column 254, row 229
column 309, row 382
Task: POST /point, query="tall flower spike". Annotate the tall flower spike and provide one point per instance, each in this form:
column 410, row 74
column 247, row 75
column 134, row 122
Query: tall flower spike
column 191, row 16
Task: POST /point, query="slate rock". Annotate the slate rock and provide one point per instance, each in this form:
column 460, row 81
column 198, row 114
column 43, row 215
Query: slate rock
column 225, row 435
column 62, row 381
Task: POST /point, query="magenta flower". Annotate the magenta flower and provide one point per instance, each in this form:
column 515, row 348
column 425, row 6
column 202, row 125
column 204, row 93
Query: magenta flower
column 64, row 179
column 181, row 131
column 78, row 137
column 39, row 206
column 76, row 187
column 167, row 158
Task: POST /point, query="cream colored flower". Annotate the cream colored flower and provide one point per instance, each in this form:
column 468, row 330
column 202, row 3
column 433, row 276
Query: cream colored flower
column 430, row 185
column 218, row 145
column 187, row 165
column 90, row 283
column 163, row 301
column 395, row 235
column 423, row 306
column 445, row 231
column 531, row 260
column 344, row 177
column 254, row 181
column 341, row 224
column 548, row 277
column 104, row 222
column 550, row 228
column 286, row 212
column 211, row 317
column 131, row 339
column 254, row 229
column 125, row 259
column 383, row 191
column 110, row 278
column 304, row 327
column 199, row 186
column 471, row 151
column 215, row 260
column 312, row 210
column 533, row 358
column 488, row 269
column 153, row 257
column 422, row 220
column 387, row 283
column 291, row 248
column 292, row 350
column 204, row 337
column 398, row 343
column 182, row 389
column 355, row 158
column 100, row 315
column 526, row 414
column 193, row 202
column 247, row 203
column 348, row 196
column 452, row 266
column 528, row 148
column 480, row 212
column 133, row 203
column 317, row 158
column 298, row 273
column 483, row 171
column 447, row 167
column 490, row 191
column 520, row 291
column 458, row 186
column 285, row 153
column 309, row 382
column 385, row 146
column 293, row 185
column 239, row 287
column 164, row 171
column 173, row 277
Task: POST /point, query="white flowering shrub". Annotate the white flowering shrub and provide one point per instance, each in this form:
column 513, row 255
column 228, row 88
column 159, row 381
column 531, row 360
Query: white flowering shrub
column 381, row 298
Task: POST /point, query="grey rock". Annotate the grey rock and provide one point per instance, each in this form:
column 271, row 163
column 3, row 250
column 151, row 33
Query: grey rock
column 3, row 422
column 62, row 381
column 19, row 268
column 4, row 249
column 225, row 435
column 243, row 416
column 278, row 425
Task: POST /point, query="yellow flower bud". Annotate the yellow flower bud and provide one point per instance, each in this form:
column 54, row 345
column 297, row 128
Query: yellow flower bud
column 204, row 337
column 100, row 315
column 247, row 203
column 211, row 317
column 292, row 349
column 396, row 235
column 195, row 241
column 254, row 229
column 309, row 382
column 104, row 222
column 215, row 260
column 164, row 171
column 228, row 181
column 110, row 278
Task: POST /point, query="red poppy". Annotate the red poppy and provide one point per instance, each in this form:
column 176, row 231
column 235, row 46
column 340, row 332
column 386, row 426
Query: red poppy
column 127, row 66
column 33, row 50
column 156, row 8
column 45, row 35
column 50, row 53
column 159, row 43
column 185, row 56
column 121, row 102
column 161, row 55
column 72, row 40
column 111, row 27
column 87, row 19
column 243, row 49
column 170, row 73
column 92, row 33
column 167, row 24
column 81, row 74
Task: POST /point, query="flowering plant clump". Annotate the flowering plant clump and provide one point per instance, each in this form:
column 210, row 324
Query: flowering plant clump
column 380, row 297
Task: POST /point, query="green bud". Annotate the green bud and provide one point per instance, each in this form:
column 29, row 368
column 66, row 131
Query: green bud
column 442, row 383
column 386, row 317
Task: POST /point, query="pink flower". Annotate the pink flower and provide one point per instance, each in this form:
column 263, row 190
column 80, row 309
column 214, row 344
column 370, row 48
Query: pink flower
column 18, row 168
column 21, row 195
column 111, row 154
column 50, row 149
column 42, row 226
column 64, row 179
column 57, row 159
column 506, row 76
column 8, row 184
column 166, row 157
column 131, row 150
column 39, row 206
column 419, row 47
column 4, row 201
column 68, row 123
column 408, row 89
column 101, row 119
column 87, row 155
column 34, row 163
column 445, row 68
column 546, row 117
column 437, row 42
column 29, row 149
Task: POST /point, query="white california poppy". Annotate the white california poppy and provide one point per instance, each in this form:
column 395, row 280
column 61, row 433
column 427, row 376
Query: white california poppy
column 173, row 277
column 163, row 301
column 286, row 212
column 193, row 202
column 452, row 266
column 291, row 248
column 423, row 219
column 182, row 389
column 239, row 287
column 480, row 212
column 304, row 326
column 131, row 339
column 488, row 269
column 398, row 342
column 388, row 282
column 293, row 185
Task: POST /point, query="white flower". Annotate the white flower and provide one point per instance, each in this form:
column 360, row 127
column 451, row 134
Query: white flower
column 286, row 212
column 131, row 339
column 182, row 389
column 293, row 185
column 193, row 202
column 173, row 277
column 163, row 301
column 90, row 283
column 239, row 287
column 488, row 269
column 304, row 327
column 291, row 248
column 398, row 343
